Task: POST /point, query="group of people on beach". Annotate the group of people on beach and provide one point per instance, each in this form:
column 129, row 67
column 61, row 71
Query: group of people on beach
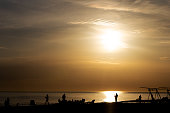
column 7, row 100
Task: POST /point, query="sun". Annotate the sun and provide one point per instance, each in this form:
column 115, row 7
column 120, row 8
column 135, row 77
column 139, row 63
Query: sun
column 112, row 40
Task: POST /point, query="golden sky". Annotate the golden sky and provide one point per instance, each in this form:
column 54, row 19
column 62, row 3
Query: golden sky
column 84, row 45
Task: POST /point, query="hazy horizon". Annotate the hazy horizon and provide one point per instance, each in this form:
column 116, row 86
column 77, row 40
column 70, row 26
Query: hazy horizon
column 84, row 45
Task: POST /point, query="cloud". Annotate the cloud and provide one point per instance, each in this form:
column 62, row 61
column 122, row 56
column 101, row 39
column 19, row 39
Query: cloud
column 105, row 62
column 99, row 22
column 38, row 22
column 165, row 58
column 39, row 13
column 140, row 6
column 167, row 42
column 2, row 47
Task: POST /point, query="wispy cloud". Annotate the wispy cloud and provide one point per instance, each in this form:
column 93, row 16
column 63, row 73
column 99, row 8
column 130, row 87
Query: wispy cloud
column 100, row 22
column 167, row 42
column 141, row 6
column 106, row 62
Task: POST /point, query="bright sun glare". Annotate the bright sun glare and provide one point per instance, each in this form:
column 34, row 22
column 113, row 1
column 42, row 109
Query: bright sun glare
column 112, row 40
column 110, row 95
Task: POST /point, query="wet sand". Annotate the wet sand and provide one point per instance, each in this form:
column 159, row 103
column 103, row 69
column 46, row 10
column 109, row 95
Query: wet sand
column 90, row 108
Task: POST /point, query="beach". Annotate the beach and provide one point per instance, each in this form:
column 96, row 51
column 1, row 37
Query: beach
column 23, row 98
column 90, row 108
column 73, row 102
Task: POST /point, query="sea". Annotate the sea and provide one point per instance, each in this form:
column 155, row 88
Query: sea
column 23, row 98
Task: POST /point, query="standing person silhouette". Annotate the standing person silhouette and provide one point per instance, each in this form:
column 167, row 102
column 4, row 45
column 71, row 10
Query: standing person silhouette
column 64, row 97
column 116, row 96
column 7, row 102
column 140, row 98
column 46, row 99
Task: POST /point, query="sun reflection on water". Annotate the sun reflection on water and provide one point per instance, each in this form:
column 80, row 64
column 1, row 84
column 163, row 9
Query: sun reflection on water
column 110, row 95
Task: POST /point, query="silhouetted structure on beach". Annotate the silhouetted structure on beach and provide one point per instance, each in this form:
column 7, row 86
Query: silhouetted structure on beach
column 154, row 95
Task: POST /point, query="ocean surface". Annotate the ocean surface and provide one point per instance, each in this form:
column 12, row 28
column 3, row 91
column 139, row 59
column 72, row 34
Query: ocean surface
column 23, row 98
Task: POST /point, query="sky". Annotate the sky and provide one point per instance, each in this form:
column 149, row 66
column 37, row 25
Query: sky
column 84, row 45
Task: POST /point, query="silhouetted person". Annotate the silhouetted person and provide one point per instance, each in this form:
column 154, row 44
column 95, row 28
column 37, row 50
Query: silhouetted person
column 92, row 101
column 116, row 96
column 83, row 100
column 32, row 102
column 140, row 98
column 153, row 99
column 46, row 99
column 7, row 102
column 64, row 97
column 59, row 101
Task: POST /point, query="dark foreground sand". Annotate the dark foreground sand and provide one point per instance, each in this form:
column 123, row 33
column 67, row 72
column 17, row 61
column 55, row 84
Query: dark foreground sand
column 91, row 108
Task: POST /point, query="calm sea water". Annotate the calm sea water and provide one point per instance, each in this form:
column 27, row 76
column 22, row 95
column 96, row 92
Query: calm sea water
column 24, row 98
